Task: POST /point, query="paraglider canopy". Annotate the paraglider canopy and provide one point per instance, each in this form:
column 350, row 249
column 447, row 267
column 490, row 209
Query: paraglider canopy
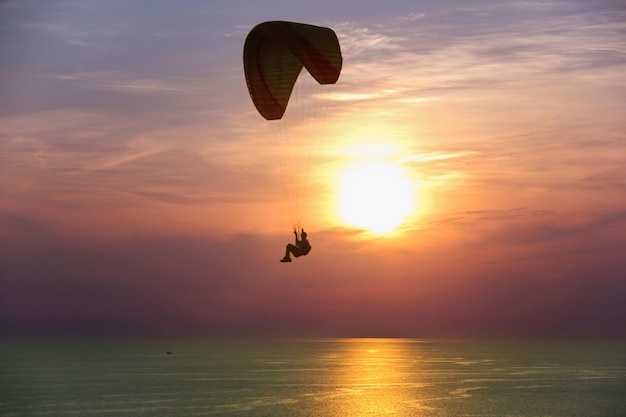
column 274, row 54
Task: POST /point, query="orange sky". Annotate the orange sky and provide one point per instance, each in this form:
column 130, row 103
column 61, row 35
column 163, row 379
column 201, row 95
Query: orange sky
column 141, row 191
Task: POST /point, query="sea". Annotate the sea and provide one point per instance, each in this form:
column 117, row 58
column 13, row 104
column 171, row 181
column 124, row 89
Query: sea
column 320, row 377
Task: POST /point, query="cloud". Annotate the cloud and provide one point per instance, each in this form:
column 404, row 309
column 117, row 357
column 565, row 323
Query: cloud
column 531, row 235
column 118, row 82
column 434, row 156
column 236, row 286
column 349, row 96
column 495, row 49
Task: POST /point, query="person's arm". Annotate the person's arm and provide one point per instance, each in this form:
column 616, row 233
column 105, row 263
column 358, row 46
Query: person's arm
column 296, row 234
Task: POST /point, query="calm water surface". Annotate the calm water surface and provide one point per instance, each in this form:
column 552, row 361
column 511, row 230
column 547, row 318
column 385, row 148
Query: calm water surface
column 337, row 377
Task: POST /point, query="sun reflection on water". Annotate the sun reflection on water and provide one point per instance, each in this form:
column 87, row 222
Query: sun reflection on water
column 374, row 378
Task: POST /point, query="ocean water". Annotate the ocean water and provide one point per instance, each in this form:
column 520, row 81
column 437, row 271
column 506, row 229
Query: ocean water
column 330, row 377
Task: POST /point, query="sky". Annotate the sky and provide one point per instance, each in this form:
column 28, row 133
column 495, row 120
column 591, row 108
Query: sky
column 141, row 193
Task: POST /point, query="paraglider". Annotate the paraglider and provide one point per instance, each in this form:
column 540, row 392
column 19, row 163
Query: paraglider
column 274, row 55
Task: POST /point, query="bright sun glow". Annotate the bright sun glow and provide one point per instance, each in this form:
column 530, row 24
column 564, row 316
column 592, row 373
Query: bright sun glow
column 376, row 196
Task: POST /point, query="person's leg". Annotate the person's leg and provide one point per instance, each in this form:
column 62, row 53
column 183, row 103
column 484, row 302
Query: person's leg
column 289, row 249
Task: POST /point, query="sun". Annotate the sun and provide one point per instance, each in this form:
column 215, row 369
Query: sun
column 377, row 196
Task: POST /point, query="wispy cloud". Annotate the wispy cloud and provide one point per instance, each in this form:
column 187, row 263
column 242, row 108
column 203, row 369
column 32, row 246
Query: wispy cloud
column 354, row 96
column 434, row 156
column 119, row 82
column 432, row 55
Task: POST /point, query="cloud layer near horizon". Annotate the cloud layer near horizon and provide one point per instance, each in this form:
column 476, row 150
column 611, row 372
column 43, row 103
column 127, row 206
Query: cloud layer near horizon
column 546, row 281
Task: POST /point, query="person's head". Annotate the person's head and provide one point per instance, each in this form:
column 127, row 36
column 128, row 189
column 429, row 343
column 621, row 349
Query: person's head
column 303, row 234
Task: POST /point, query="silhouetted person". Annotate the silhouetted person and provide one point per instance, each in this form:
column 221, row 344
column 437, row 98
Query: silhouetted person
column 301, row 248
